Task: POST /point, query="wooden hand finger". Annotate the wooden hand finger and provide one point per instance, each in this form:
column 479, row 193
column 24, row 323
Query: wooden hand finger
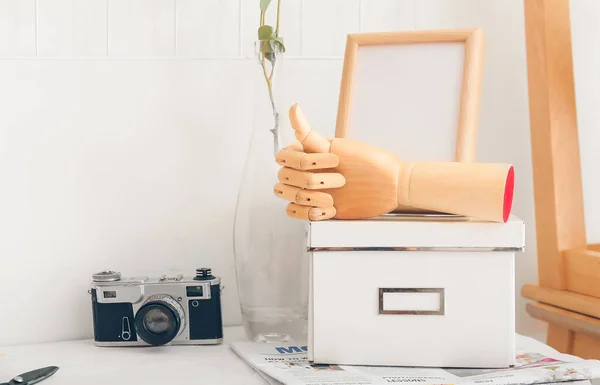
column 302, row 161
column 296, row 146
column 303, row 197
column 310, row 213
column 311, row 140
column 310, row 180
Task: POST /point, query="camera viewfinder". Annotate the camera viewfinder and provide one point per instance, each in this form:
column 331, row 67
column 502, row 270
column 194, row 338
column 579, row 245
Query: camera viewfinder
column 194, row 291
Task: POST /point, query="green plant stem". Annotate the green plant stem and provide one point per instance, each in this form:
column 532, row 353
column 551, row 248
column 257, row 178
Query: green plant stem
column 275, row 129
column 269, row 76
column 268, row 79
column 272, row 71
column 277, row 25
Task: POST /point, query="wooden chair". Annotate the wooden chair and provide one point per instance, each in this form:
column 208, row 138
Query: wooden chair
column 568, row 294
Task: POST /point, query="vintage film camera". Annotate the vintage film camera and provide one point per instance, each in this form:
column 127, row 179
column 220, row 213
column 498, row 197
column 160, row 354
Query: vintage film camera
column 156, row 311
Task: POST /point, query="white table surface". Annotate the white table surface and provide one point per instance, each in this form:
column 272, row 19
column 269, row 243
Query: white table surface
column 83, row 363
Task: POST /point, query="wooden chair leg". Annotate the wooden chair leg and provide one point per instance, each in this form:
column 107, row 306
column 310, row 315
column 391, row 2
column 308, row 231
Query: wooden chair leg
column 560, row 338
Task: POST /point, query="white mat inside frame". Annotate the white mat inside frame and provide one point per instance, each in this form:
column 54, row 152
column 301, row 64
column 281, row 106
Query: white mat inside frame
column 415, row 93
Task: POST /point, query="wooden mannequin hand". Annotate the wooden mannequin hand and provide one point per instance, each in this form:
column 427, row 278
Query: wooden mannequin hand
column 304, row 181
column 345, row 179
column 335, row 178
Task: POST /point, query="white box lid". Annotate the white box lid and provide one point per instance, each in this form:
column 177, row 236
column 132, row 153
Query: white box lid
column 416, row 232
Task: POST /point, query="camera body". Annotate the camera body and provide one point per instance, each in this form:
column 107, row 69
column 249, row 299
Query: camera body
column 142, row 311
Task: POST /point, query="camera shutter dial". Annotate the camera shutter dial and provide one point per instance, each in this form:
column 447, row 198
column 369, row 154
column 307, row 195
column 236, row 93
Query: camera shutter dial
column 106, row 276
column 203, row 273
column 160, row 320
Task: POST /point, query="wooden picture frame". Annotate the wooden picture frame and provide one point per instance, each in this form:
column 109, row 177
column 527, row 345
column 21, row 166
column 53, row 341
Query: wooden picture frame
column 445, row 98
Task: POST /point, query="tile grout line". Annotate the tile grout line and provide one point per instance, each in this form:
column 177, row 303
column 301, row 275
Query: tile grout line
column 360, row 8
column 174, row 27
column 240, row 27
column 301, row 48
column 35, row 25
column 414, row 14
column 159, row 58
column 107, row 28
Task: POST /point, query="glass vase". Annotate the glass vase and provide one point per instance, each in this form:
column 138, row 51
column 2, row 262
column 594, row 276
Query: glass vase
column 270, row 251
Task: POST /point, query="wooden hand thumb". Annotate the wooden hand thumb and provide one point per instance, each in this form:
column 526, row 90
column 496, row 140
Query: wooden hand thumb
column 311, row 140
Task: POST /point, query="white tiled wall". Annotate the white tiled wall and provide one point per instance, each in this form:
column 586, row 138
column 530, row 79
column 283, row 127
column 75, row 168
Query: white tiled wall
column 324, row 26
column 72, row 28
column 207, row 28
column 185, row 28
column 387, row 15
column 124, row 125
column 17, row 28
column 141, row 28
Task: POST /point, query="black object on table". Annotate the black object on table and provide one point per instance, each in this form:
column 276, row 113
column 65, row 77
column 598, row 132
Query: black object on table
column 32, row 377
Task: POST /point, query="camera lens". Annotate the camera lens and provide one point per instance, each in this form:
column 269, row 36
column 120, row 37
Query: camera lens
column 156, row 321
column 159, row 320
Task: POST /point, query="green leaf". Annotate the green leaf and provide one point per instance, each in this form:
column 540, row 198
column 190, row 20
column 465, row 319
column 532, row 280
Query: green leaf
column 265, row 32
column 279, row 41
column 265, row 46
column 270, row 56
column 264, row 4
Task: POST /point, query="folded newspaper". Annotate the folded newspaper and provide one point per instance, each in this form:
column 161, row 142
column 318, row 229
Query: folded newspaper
column 536, row 363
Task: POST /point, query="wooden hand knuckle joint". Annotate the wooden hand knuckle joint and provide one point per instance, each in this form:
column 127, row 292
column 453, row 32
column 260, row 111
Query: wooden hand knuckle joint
column 309, row 161
column 302, row 162
column 314, row 180
column 297, row 196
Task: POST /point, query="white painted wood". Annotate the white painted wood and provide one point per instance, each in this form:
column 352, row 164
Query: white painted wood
column 105, row 163
column 479, row 303
column 462, row 13
column 295, row 82
column 387, row 15
column 81, row 362
column 290, row 25
column 406, row 99
column 585, row 31
column 314, row 84
column 72, row 27
column 325, row 25
column 249, row 22
column 110, row 164
column 399, row 231
column 311, row 307
column 141, row 27
column 208, row 28
column 17, row 28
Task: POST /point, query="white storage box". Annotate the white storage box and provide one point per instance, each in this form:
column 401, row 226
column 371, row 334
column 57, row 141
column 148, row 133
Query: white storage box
column 413, row 291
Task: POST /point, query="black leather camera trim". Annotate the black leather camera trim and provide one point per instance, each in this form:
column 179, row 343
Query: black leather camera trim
column 162, row 338
column 205, row 322
column 109, row 318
